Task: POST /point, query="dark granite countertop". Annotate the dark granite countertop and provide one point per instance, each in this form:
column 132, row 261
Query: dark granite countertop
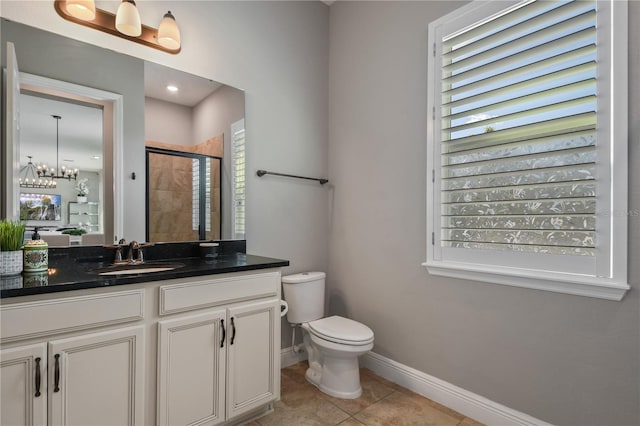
column 78, row 268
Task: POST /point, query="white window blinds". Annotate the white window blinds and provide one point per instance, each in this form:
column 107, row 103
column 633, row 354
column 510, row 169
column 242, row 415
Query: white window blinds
column 522, row 139
column 518, row 131
column 238, row 159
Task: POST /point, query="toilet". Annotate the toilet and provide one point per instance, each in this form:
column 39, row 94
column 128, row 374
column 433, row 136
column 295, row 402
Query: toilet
column 333, row 344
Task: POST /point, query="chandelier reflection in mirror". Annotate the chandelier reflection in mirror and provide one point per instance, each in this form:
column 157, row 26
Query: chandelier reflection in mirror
column 30, row 178
column 58, row 172
column 126, row 23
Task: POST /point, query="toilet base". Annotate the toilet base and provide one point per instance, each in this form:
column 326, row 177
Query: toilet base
column 333, row 367
column 337, row 377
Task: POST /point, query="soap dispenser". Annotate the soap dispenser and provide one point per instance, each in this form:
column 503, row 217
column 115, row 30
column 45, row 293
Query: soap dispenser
column 36, row 254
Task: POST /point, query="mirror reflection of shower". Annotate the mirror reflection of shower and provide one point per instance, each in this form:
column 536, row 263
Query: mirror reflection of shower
column 183, row 196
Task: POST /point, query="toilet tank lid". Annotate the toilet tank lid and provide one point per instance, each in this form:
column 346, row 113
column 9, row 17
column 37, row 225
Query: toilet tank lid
column 303, row 277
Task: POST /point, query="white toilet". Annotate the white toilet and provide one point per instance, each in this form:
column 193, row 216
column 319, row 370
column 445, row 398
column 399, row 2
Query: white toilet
column 333, row 344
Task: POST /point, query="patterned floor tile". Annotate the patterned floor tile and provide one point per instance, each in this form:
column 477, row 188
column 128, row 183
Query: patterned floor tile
column 382, row 403
column 351, row 422
column 372, row 391
column 402, row 409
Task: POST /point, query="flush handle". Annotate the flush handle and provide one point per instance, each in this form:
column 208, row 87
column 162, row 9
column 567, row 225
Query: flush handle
column 224, row 333
column 284, row 308
column 233, row 330
column 38, row 377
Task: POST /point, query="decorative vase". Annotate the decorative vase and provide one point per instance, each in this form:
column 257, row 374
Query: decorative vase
column 36, row 256
column 10, row 262
column 82, row 199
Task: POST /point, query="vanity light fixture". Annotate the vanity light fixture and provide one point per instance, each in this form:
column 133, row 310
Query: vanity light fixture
column 82, row 9
column 58, row 172
column 168, row 32
column 128, row 19
column 125, row 23
column 30, row 178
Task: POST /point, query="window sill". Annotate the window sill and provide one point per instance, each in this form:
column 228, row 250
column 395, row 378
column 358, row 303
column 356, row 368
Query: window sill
column 600, row 288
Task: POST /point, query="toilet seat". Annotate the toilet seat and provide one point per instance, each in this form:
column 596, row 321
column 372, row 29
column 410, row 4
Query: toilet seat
column 341, row 330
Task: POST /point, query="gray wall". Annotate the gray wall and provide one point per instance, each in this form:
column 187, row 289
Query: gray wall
column 167, row 122
column 563, row 359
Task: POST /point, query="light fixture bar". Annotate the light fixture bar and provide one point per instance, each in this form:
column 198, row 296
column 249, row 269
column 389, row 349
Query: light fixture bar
column 106, row 22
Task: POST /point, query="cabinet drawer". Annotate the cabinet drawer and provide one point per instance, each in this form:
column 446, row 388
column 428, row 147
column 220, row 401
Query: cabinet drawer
column 212, row 292
column 47, row 317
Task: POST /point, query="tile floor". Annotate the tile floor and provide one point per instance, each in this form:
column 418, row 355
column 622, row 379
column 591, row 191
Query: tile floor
column 382, row 403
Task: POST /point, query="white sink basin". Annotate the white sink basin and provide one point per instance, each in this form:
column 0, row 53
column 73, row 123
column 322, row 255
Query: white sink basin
column 139, row 270
column 135, row 269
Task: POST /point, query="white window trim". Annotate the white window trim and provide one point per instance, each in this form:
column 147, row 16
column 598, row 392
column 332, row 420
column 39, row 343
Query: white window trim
column 614, row 285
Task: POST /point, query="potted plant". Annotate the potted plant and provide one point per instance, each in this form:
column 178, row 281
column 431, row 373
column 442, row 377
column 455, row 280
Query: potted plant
column 82, row 189
column 75, row 232
column 11, row 242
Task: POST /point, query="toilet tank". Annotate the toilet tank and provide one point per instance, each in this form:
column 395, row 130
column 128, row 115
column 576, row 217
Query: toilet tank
column 304, row 293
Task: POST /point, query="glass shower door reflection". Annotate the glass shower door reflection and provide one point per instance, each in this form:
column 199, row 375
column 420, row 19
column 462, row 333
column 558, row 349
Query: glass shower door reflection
column 183, row 197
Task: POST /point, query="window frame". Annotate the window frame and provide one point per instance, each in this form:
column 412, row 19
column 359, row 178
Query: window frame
column 610, row 278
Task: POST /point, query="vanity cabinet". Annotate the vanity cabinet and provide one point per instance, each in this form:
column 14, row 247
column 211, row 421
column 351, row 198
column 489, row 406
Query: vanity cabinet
column 21, row 398
column 217, row 365
column 191, row 369
column 92, row 379
column 97, row 378
column 199, row 350
column 253, row 358
column 60, row 366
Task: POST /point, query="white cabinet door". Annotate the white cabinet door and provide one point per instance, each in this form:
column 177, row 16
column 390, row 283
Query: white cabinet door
column 23, row 396
column 253, row 356
column 191, row 374
column 97, row 379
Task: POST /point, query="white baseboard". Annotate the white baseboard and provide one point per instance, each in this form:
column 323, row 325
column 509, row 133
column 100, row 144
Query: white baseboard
column 289, row 357
column 458, row 399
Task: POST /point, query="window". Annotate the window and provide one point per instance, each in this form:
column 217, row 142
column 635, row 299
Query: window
column 238, row 171
column 196, row 178
column 527, row 146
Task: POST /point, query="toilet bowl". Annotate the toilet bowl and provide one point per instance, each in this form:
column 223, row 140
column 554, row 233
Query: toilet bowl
column 333, row 344
column 333, row 357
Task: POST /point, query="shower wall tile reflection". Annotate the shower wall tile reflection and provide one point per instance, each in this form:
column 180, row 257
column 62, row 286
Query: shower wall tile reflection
column 171, row 199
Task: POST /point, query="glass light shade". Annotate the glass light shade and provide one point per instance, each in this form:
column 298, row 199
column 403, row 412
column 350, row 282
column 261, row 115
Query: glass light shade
column 82, row 9
column 168, row 32
column 128, row 19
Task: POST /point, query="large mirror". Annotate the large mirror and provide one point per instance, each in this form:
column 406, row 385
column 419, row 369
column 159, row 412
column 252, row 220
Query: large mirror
column 169, row 168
